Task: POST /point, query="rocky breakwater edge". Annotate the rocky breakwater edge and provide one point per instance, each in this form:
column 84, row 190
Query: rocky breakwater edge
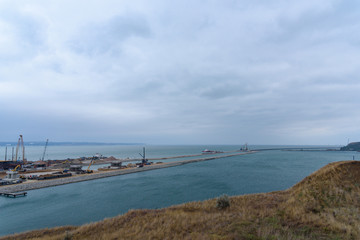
column 86, row 177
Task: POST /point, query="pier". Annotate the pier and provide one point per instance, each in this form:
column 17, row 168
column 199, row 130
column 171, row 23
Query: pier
column 14, row 195
column 300, row 149
column 86, row 177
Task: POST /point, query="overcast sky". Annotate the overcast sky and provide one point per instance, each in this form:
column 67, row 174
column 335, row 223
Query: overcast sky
column 180, row 71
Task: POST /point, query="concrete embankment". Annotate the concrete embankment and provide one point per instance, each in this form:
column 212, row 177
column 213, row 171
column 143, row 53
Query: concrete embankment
column 162, row 158
column 86, row 177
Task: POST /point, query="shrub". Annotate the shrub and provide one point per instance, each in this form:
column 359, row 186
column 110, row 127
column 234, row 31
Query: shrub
column 223, row 202
column 68, row 235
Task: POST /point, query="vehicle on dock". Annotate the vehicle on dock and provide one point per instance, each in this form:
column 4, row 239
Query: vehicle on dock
column 207, row 151
column 53, row 176
column 12, row 177
column 77, row 169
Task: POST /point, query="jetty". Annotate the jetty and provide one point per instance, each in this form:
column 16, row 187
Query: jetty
column 13, row 195
column 299, row 149
column 86, row 177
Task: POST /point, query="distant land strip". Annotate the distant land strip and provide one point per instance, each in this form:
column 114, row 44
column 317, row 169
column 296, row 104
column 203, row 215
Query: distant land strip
column 86, row 177
column 42, row 143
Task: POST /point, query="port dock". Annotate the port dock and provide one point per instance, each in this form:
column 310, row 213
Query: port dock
column 14, row 195
column 86, row 177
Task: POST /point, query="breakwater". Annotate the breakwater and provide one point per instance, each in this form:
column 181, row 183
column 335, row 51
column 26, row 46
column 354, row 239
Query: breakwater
column 86, row 177
column 104, row 161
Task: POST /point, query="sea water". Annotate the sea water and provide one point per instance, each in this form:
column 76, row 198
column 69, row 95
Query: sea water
column 85, row 202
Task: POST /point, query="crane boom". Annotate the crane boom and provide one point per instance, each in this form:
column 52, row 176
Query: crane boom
column 90, row 165
column 23, row 148
column 88, row 169
column 17, row 149
column 14, row 170
column 43, row 156
column 20, row 144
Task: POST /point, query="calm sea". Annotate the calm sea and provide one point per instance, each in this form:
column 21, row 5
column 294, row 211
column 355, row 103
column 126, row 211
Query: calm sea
column 90, row 201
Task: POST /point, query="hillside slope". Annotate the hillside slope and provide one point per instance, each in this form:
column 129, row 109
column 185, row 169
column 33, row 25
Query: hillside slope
column 354, row 146
column 325, row 205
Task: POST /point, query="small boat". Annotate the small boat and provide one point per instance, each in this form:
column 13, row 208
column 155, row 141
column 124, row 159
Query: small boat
column 207, row 151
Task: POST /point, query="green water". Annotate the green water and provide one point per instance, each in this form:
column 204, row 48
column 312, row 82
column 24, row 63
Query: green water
column 90, row 201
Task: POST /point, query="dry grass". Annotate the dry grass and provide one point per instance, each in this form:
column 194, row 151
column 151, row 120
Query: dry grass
column 325, row 205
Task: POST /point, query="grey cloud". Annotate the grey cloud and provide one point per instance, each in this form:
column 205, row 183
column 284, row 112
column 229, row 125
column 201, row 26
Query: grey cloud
column 28, row 35
column 107, row 37
column 334, row 24
column 219, row 92
column 29, row 29
column 189, row 72
column 229, row 89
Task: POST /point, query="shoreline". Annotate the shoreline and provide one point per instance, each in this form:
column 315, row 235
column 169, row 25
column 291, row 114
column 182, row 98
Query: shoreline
column 87, row 177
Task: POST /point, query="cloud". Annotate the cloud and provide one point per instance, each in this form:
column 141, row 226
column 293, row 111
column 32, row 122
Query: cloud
column 107, row 38
column 22, row 35
column 182, row 71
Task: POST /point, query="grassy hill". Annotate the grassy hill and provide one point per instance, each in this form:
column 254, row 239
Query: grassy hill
column 325, row 205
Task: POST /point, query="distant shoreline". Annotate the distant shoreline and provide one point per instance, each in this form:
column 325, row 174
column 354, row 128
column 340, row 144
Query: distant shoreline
column 87, row 177
column 40, row 143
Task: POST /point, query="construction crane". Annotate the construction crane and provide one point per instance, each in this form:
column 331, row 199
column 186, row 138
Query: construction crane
column 144, row 160
column 66, row 161
column 5, row 153
column 66, row 166
column 14, row 170
column 20, row 144
column 46, row 144
column 88, row 169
